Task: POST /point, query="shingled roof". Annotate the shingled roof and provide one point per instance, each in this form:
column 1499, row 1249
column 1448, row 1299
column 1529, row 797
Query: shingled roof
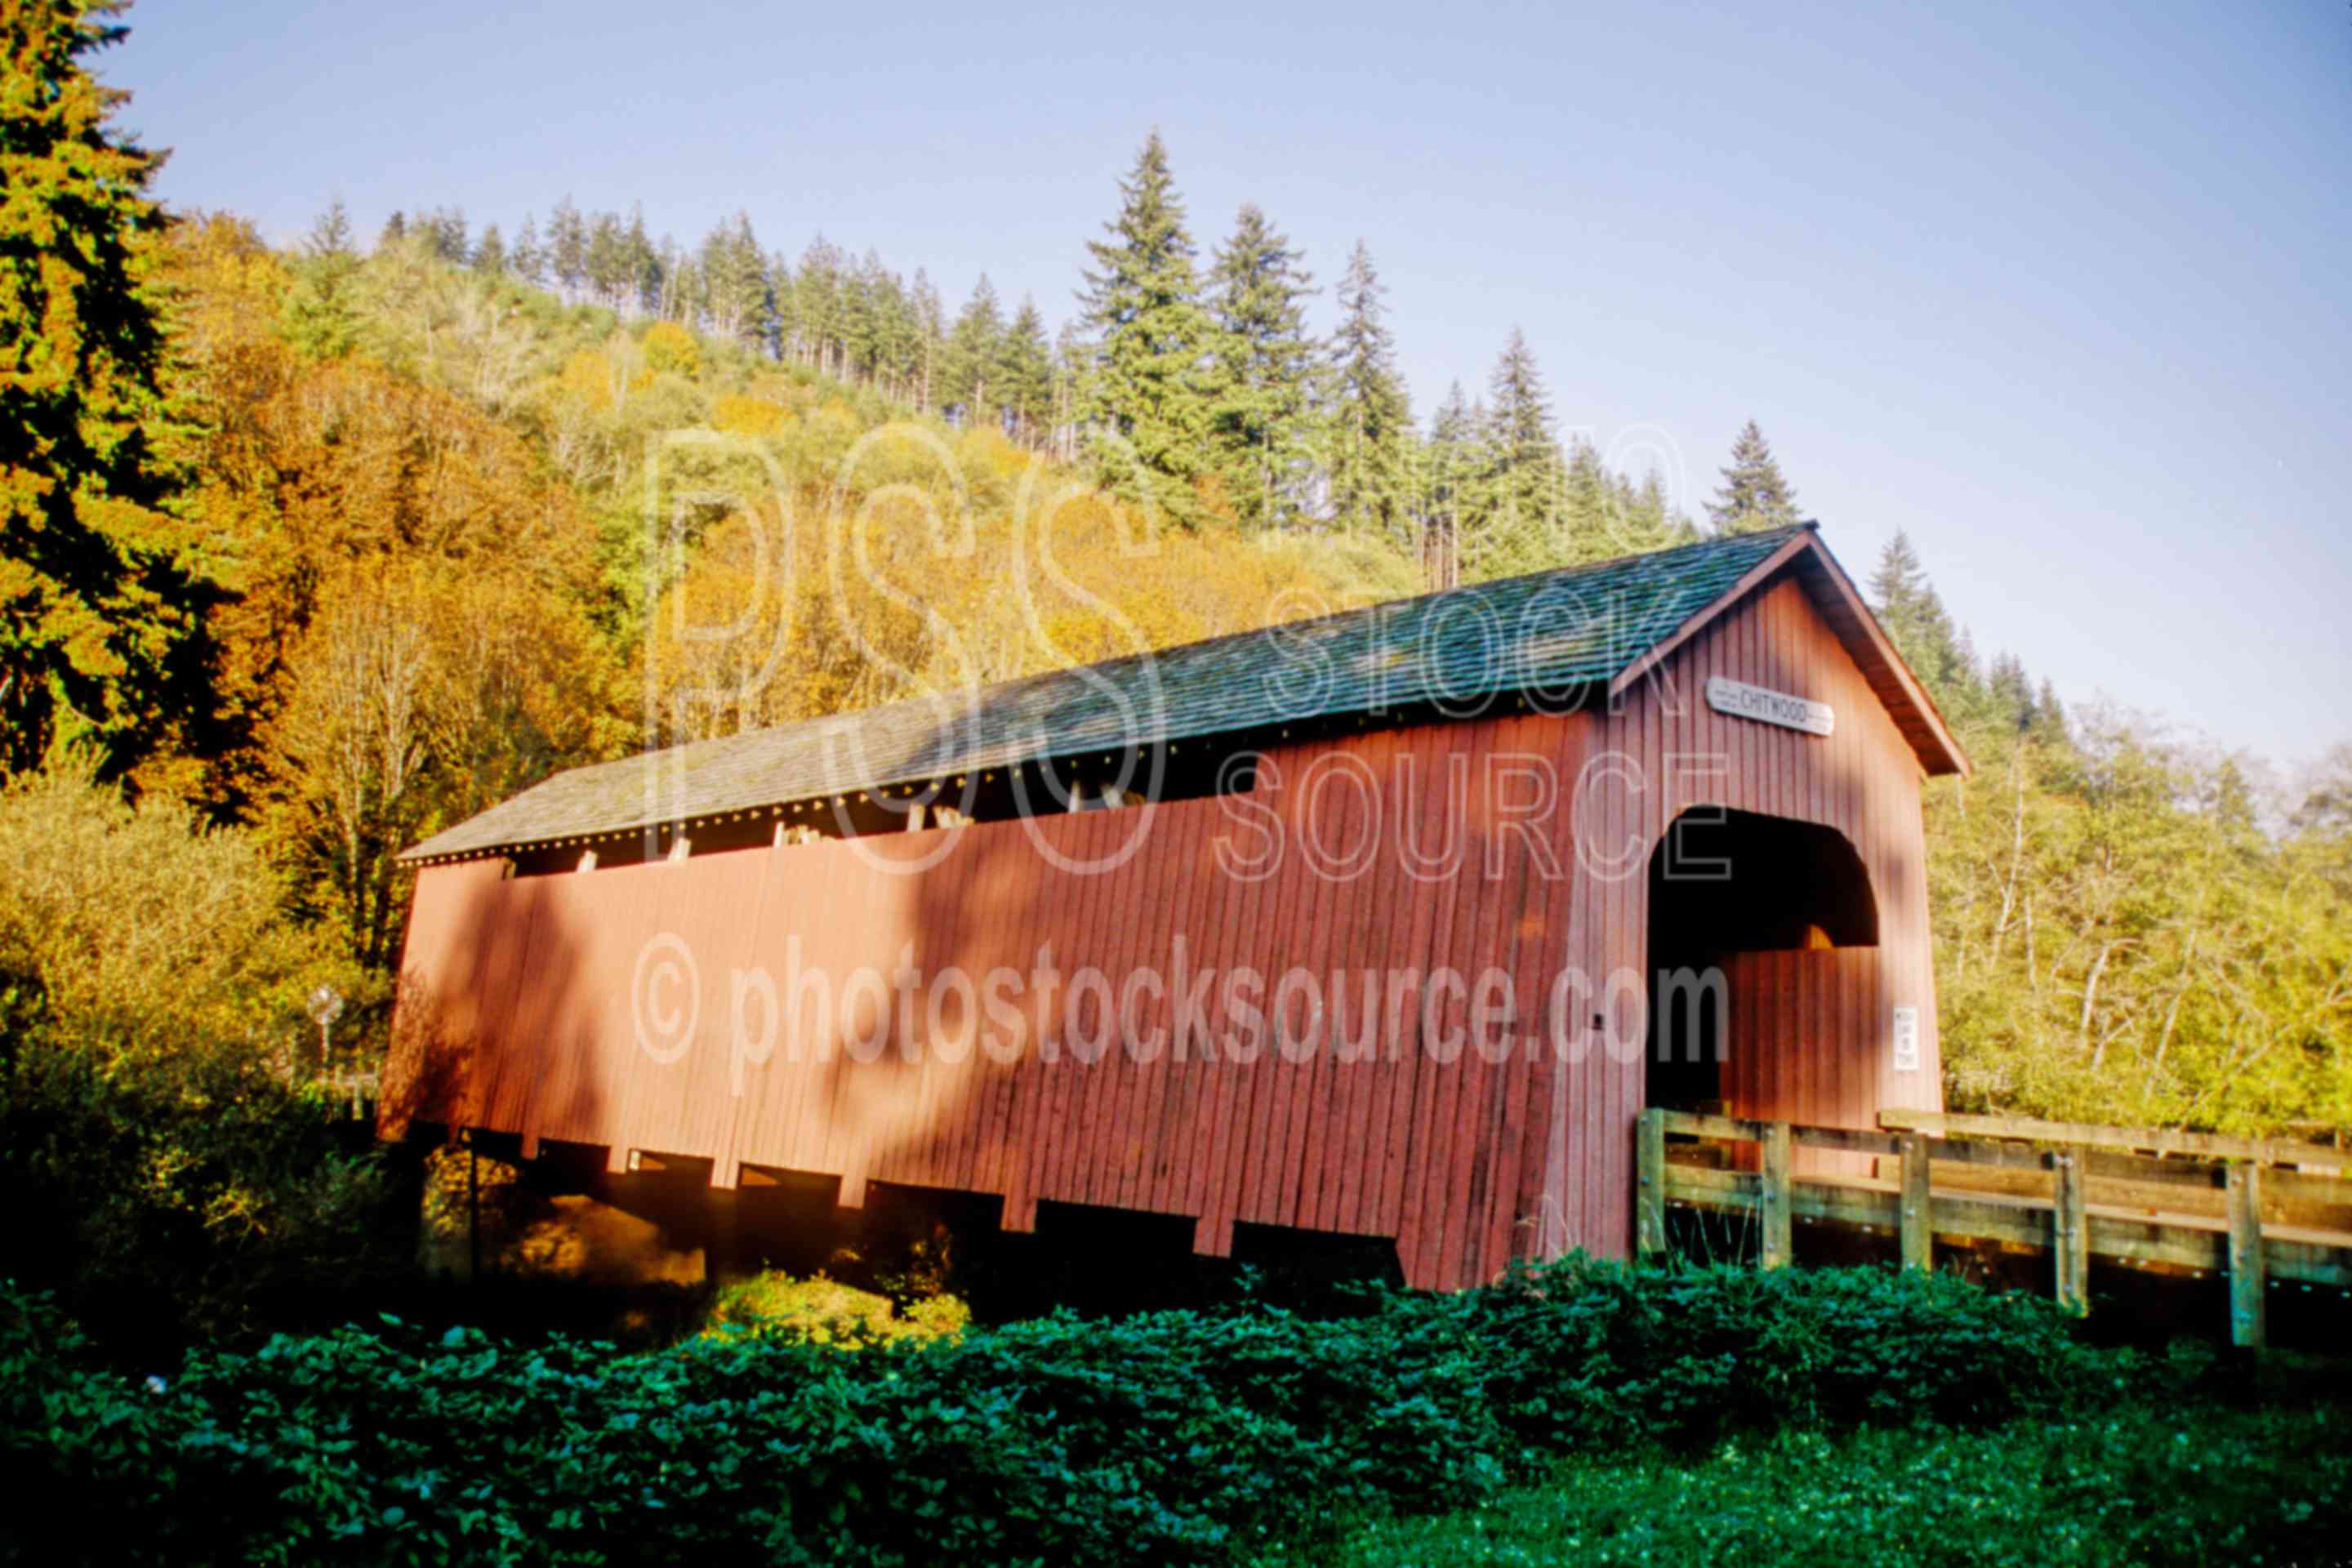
column 1577, row 626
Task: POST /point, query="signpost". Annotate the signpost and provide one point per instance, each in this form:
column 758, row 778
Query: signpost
column 1745, row 702
column 1906, row 1040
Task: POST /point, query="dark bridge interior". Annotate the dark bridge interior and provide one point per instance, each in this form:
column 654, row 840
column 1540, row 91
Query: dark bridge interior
column 1726, row 882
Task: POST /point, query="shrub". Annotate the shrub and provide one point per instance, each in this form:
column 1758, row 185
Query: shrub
column 1168, row 1438
column 200, row 1195
column 138, row 929
column 824, row 1311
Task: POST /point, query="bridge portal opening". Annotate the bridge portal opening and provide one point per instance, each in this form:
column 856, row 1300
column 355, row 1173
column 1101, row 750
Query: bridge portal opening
column 1724, row 883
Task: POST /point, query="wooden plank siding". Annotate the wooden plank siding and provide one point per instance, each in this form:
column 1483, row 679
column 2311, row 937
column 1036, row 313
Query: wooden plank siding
column 523, row 997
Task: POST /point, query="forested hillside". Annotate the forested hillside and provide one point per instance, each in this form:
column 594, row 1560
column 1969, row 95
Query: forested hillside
column 369, row 534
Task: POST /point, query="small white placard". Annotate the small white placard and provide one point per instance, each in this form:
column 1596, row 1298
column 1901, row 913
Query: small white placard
column 1906, row 1040
column 1743, row 701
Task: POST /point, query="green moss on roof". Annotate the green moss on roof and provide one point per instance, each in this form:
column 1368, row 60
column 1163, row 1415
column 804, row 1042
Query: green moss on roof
column 1547, row 630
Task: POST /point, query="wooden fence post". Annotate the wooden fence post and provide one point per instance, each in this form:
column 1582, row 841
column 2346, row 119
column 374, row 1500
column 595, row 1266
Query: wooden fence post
column 2071, row 1253
column 1915, row 1220
column 1779, row 1240
column 1649, row 1194
column 2248, row 1313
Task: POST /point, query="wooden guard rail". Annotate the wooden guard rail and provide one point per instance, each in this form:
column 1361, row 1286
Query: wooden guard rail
column 2256, row 1210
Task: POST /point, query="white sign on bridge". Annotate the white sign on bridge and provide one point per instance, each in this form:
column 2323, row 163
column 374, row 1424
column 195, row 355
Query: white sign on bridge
column 1746, row 701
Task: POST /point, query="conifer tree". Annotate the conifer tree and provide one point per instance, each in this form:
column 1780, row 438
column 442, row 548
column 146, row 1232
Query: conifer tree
column 1265, row 364
column 1923, row 633
column 1588, row 513
column 444, row 229
column 331, row 234
column 1072, row 359
column 735, row 283
column 641, row 265
column 100, row 617
column 1371, row 427
column 817, row 298
column 861, row 316
column 783, row 303
column 1025, row 371
column 1754, row 496
column 1151, row 341
column 605, row 261
column 2049, row 716
column 394, row 230
column 319, row 316
column 1518, row 525
column 491, row 253
column 901, row 331
column 2011, row 693
column 526, row 261
column 1449, row 471
column 567, row 248
column 971, row 354
column 930, row 338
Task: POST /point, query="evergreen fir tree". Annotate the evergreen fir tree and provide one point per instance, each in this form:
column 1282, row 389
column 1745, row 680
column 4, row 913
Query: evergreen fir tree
column 901, row 332
column 1521, row 489
column 490, row 254
column 1370, row 425
column 394, row 230
column 567, row 248
column 321, row 317
column 1025, row 371
column 641, row 265
column 1073, row 356
column 972, row 355
column 1151, row 340
column 930, row 338
column 1754, row 496
column 1450, row 465
column 683, row 296
column 784, row 304
column 101, row 619
column 331, row 234
column 2011, row 693
column 527, row 261
column 735, row 283
column 2049, row 723
column 1654, row 513
column 1923, row 633
column 1265, row 364
column 605, row 261
column 817, row 292
column 1589, row 512
column 444, row 229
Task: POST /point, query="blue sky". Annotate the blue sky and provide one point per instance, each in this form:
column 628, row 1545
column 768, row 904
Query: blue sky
column 2061, row 290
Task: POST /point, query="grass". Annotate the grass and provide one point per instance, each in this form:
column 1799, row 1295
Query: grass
column 2195, row 1484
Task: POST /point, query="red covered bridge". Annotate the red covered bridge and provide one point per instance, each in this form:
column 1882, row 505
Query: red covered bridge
column 1387, row 924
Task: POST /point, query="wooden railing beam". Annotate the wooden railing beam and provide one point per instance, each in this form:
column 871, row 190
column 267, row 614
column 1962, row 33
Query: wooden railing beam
column 2147, row 1140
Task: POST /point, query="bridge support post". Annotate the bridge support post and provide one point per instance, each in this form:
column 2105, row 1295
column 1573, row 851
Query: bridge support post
column 2249, row 1309
column 1915, row 1220
column 1780, row 1223
column 2071, row 1253
column 1650, row 1184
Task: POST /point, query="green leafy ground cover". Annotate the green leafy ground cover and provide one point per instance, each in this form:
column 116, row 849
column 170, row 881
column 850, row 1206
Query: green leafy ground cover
column 2191, row 1484
column 1168, row 1438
